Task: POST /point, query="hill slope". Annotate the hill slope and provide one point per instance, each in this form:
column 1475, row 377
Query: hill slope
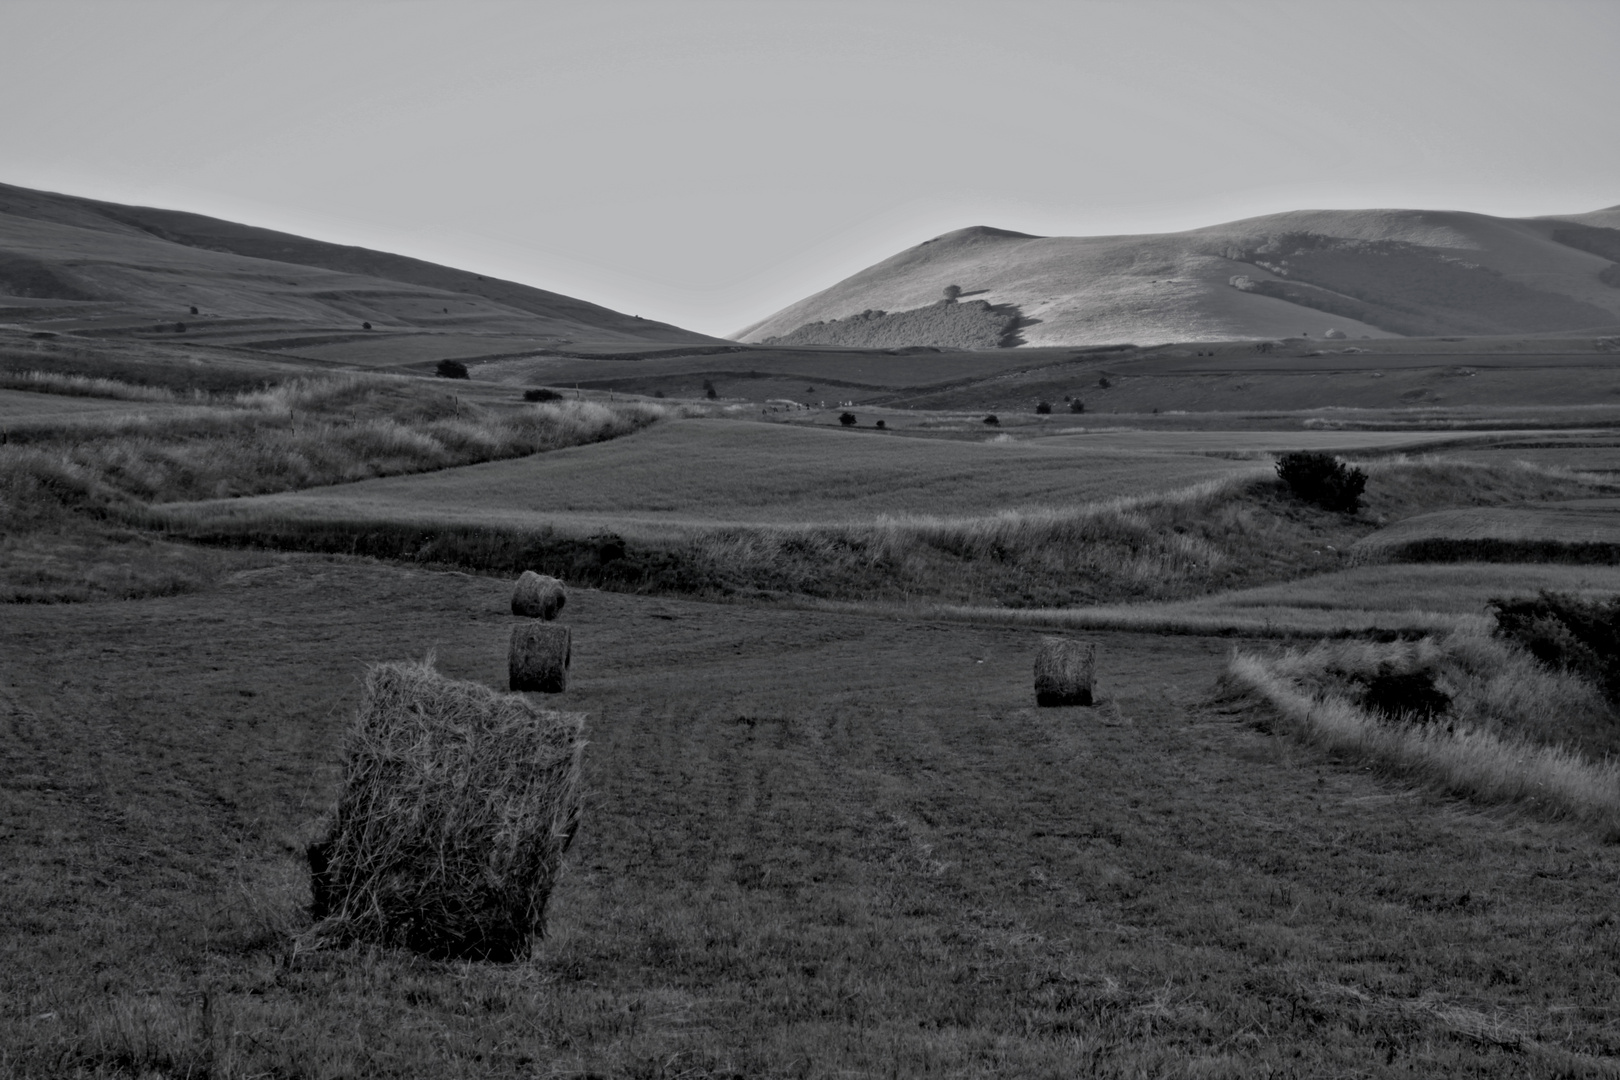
column 80, row 265
column 1372, row 273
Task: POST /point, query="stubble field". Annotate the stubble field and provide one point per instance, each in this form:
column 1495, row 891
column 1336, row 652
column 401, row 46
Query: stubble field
column 827, row 833
column 815, row 845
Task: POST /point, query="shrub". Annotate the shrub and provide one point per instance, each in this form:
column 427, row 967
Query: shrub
column 709, row 391
column 451, row 369
column 540, row 393
column 880, row 425
column 194, row 309
column 1077, row 406
column 993, row 420
column 1567, row 633
column 365, row 326
column 179, row 327
column 847, row 419
column 1044, row 408
column 1104, row 382
column 1409, row 695
column 952, row 291
column 1323, row 480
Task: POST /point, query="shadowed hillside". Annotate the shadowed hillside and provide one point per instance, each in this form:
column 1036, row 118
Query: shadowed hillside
column 74, row 265
column 1359, row 273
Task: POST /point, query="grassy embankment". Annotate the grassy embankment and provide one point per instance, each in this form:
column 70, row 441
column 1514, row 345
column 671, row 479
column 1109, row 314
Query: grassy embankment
column 1516, row 732
column 797, row 513
column 73, row 496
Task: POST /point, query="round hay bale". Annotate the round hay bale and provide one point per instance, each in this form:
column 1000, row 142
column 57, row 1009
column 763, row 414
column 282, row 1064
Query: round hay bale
column 539, row 657
column 457, row 805
column 538, row 596
column 1064, row 668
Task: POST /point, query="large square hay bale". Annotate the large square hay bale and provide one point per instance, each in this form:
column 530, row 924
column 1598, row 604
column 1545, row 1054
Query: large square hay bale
column 538, row 657
column 537, row 596
column 457, row 805
column 1064, row 669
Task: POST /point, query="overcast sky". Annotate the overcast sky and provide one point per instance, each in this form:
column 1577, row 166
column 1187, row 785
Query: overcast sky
column 706, row 162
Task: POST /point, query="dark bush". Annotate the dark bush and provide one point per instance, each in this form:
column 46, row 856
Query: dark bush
column 1044, row 408
column 709, row 391
column 451, row 369
column 194, row 309
column 658, row 393
column 847, row 419
column 540, row 393
column 1104, row 383
column 880, row 425
column 1410, row 696
column 179, row 327
column 1566, row 632
column 952, row 291
column 1077, row 406
column 1323, row 480
column 992, row 419
column 365, row 326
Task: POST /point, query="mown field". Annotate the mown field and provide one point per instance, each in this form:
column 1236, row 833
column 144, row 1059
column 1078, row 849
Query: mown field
column 815, row 845
column 827, row 832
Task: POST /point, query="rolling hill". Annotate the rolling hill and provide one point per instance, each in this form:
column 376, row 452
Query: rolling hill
column 1361, row 273
column 75, row 265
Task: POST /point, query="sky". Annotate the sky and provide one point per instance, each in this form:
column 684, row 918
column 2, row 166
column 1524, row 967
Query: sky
column 708, row 162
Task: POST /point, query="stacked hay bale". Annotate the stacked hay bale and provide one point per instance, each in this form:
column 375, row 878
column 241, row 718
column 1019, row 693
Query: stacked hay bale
column 1064, row 669
column 457, row 805
column 540, row 651
column 537, row 596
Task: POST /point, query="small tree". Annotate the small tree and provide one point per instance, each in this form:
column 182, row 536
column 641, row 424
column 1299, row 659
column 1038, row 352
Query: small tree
column 1044, row 408
column 1076, row 405
column 1323, row 480
column 952, row 291
column 847, row 419
column 1104, row 383
column 709, row 390
column 993, row 420
column 452, row 369
column 880, row 425
column 194, row 309
column 365, row 326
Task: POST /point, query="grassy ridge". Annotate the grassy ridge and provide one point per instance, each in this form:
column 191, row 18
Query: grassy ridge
column 1518, row 733
column 1218, row 535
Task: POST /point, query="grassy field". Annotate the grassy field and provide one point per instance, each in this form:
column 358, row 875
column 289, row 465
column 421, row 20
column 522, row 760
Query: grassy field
column 814, row 845
column 827, row 833
column 1570, row 522
column 714, row 471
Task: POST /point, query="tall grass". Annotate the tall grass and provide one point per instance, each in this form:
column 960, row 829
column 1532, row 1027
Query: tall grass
column 1519, row 734
column 56, row 382
column 303, row 433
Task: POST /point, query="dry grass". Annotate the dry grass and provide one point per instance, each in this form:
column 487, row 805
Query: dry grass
column 1519, row 734
column 457, row 805
column 303, row 433
column 57, row 382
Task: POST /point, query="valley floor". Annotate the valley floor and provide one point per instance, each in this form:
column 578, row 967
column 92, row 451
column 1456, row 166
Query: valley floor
column 815, row 844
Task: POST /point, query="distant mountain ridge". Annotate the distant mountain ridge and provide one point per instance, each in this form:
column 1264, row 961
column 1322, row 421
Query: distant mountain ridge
column 1362, row 273
column 71, row 256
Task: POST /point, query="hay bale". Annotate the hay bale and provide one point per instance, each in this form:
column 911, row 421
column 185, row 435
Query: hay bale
column 1063, row 671
column 539, row 657
column 538, row 596
column 457, row 805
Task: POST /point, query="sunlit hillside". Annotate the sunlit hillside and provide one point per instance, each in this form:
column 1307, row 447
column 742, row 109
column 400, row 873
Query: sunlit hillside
column 1359, row 273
